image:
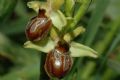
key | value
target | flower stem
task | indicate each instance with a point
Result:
(69, 4)
(43, 74)
(81, 11)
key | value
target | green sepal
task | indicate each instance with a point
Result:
(43, 46)
(35, 5)
(58, 19)
(71, 35)
(79, 50)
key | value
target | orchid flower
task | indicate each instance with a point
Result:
(59, 23)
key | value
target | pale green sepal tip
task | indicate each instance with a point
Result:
(48, 46)
(79, 50)
(58, 19)
(35, 5)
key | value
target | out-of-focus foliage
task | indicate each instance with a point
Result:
(6, 8)
(102, 23)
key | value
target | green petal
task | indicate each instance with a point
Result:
(44, 46)
(71, 35)
(55, 4)
(58, 19)
(79, 50)
(36, 5)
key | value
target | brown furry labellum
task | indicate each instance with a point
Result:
(58, 61)
(38, 27)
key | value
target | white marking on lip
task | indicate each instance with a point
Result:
(57, 63)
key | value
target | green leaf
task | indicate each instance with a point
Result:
(113, 9)
(17, 26)
(44, 46)
(95, 20)
(3, 40)
(58, 19)
(79, 50)
(23, 73)
(6, 8)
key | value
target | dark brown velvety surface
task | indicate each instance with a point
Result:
(38, 27)
(57, 64)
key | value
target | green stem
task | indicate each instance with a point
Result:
(69, 4)
(112, 47)
(43, 74)
(95, 21)
(79, 14)
(114, 27)
(92, 29)
(81, 11)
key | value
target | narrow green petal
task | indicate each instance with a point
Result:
(79, 50)
(71, 35)
(58, 19)
(43, 47)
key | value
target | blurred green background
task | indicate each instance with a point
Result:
(102, 23)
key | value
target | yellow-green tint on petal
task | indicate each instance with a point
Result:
(58, 19)
(54, 34)
(79, 50)
(56, 4)
(80, 1)
(36, 5)
(48, 46)
(70, 36)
